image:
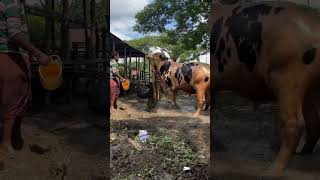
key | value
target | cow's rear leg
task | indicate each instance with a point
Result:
(312, 122)
(201, 98)
(174, 100)
(207, 101)
(292, 123)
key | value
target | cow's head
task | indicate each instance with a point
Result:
(157, 58)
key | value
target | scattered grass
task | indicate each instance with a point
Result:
(163, 152)
(178, 151)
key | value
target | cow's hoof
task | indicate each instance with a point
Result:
(177, 107)
(6, 151)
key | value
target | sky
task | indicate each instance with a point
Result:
(122, 17)
(123, 12)
(122, 20)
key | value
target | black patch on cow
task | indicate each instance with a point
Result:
(229, 52)
(206, 79)
(309, 55)
(165, 67)
(215, 34)
(168, 82)
(187, 71)
(178, 76)
(278, 9)
(180, 79)
(245, 29)
(169, 72)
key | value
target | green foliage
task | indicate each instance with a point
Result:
(36, 29)
(176, 49)
(188, 17)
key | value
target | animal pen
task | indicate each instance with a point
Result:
(87, 59)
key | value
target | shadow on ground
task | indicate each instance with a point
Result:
(245, 141)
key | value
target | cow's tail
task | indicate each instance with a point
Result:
(311, 60)
(207, 95)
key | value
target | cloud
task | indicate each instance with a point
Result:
(122, 19)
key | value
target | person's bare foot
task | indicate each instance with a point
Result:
(6, 151)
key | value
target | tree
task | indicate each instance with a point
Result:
(183, 22)
(176, 51)
(36, 29)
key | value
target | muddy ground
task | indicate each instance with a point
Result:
(245, 139)
(62, 142)
(176, 140)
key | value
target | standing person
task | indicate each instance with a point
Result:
(114, 81)
(15, 74)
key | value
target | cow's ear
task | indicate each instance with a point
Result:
(162, 56)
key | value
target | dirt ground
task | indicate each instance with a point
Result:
(62, 142)
(176, 140)
(245, 140)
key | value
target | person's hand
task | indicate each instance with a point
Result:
(42, 59)
(122, 79)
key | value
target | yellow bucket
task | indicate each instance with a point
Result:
(126, 84)
(51, 74)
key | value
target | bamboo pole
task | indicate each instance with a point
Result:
(144, 68)
(130, 75)
(47, 41)
(65, 32)
(92, 29)
(86, 33)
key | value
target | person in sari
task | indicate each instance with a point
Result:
(15, 73)
(115, 79)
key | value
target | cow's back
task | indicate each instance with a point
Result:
(251, 38)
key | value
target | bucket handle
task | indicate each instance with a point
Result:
(55, 58)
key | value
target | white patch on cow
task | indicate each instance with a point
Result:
(157, 49)
(302, 26)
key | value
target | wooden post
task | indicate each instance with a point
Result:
(125, 62)
(97, 47)
(48, 32)
(92, 29)
(130, 75)
(144, 68)
(113, 45)
(137, 68)
(104, 42)
(65, 32)
(53, 30)
(149, 70)
(86, 33)
(107, 16)
(154, 82)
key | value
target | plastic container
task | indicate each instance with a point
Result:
(143, 135)
(125, 84)
(51, 74)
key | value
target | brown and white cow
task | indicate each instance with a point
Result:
(191, 77)
(270, 51)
